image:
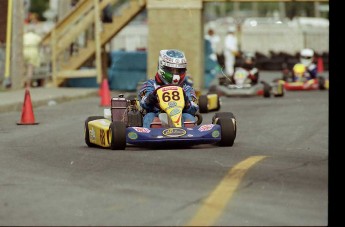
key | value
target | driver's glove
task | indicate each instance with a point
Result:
(186, 99)
(151, 99)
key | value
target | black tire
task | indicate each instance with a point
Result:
(199, 118)
(117, 135)
(228, 115)
(228, 132)
(280, 88)
(203, 104)
(267, 91)
(222, 115)
(86, 130)
(321, 81)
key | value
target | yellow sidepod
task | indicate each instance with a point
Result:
(212, 101)
(98, 132)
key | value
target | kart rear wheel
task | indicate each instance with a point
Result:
(228, 132)
(117, 135)
(267, 91)
(87, 132)
(279, 90)
(321, 82)
(203, 104)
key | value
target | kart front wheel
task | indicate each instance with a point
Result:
(117, 135)
(203, 104)
(228, 115)
(228, 132)
(222, 115)
(86, 130)
(199, 118)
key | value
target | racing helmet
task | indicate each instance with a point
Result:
(306, 56)
(249, 57)
(172, 67)
(299, 70)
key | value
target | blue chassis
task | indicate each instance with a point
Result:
(192, 136)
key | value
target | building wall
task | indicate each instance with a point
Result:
(180, 24)
(3, 20)
(3, 23)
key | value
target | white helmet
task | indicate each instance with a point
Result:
(306, 56)
(172, 67)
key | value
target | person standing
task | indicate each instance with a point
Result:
(214, 40)
(31, 43)
(230, 50)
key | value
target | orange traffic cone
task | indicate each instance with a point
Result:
(320, 65)
(105, 93)
(28, 117)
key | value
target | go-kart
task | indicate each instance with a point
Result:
(240, 86)
(122, 124)
(295, 80)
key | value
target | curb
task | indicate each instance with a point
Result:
(17, 106)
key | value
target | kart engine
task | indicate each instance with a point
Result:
(126, 111)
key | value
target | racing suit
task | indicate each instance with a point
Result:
(148, 102)
(253, 73)
(230, 52)
(310, 73)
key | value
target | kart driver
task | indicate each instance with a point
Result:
(307, 59)
(172, 67)
(249, 65)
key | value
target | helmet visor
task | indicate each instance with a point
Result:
(306, 57)
(174, 71)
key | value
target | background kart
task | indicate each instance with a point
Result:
(122, 125)
(294, 80)
(313, 84)
(242, 87)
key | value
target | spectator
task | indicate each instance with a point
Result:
(31, 45)
(230, 51)
(214, 41)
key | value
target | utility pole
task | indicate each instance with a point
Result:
(17, 57)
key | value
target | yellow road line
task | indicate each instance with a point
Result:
(215, 203)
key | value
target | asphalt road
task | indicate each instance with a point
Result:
(276, 174)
